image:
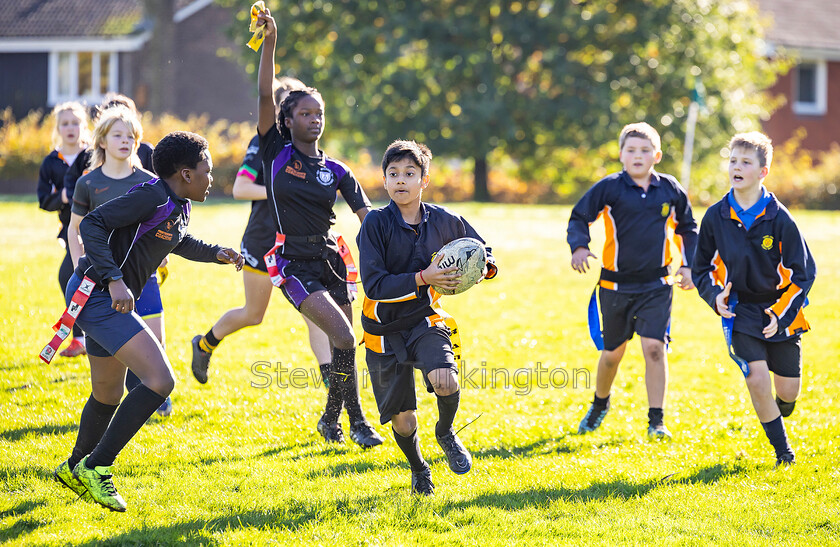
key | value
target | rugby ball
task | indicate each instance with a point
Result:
(466, 254)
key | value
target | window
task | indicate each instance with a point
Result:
(810, 88)
(81, 75)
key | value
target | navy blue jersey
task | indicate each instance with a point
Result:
(50, 185)
(391, 252)
(640, 225)
(260, 228)
(80, 166)
(302, 193)
(769, 265)
(131, 235)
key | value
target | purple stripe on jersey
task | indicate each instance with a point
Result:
(151, 181)
(160, 215)
(282, 158)
(336, 168)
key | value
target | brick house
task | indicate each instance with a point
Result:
(58, 50)
(809, 30)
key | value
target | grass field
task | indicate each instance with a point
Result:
(237, 464)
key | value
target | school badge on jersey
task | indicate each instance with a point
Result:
(325, 176)
(666, 209)
(767, 242)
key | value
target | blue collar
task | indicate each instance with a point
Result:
(748, 216)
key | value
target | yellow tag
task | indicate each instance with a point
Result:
(259, 32)
(163, 273)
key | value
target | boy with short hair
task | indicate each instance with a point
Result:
(753, 267)
(403, 323)
(644, 211)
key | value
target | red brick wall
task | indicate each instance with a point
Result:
(822, 130)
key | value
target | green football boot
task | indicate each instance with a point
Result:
(64, 475)
(100, 486)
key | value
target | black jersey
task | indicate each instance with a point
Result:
(390, 254)
(769, 266)
(640, 225)
(80, 166)
(130, 235)
(50, 185)
(259, 233)
(302, 192)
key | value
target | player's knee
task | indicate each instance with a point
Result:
(253, 318)
(404, 423)
(444, 381)
(108, 393)
(162, 384)
(758, 382)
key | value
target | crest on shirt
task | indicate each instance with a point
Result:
(666, 209)
(767, 243)
(325, 176)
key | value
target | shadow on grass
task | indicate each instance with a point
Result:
(14, 435)
(290, 517)
(341, 469)
(617, 489)
(567, 444)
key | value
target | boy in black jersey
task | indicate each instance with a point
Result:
(125, 241)
(405, 328)
(643, 212)
(754, 269)
(311, 265)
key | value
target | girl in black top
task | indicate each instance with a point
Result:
(70, 138)
(302, 182)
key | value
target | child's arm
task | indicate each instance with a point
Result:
(379, 283)
(49, 197)
(244, 186)
(75, 172)
(267, 116)
(685, 237)
(196, 250)
(585, 212)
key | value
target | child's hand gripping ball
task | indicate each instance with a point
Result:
(469, 257)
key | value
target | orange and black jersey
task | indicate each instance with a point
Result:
(639, 225)
(769, 265)
(301, 194)
(50, 185)
(390, 254)
(130, 235)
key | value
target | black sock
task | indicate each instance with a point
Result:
(777, 436)
(211, 338)
(447, 407)
(601, 403)
(343, 376)
(411, 448)
(655, 416)
(131, 381)
(135, 409)
(94, 421)
(786, 408)
(325, 374)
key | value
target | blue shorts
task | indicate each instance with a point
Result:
(149, 304)
(106, 329)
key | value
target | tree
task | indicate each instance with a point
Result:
(469, 77)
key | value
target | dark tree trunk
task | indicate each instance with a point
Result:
(480, 192)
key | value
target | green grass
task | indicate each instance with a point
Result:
(236, 464)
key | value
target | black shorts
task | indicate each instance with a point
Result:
(647, 314)
(307, 276)
(783, 358)
(253, 248)
(427, 349)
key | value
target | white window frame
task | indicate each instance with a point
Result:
(54, 97)
(820, 105)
